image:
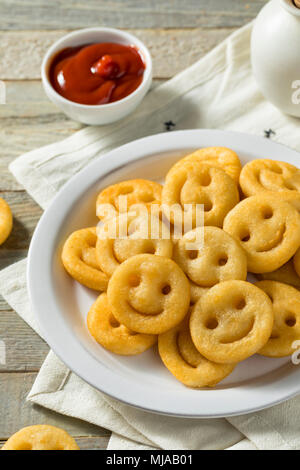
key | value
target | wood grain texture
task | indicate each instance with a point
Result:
(29, 121)
(15, 412)
(172, 50)
(177, 33)
(26, 214)
(71, 14)
(92, 443)
(25, 350)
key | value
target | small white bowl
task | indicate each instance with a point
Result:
(104, 113)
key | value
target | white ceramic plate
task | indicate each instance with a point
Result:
(61, 304)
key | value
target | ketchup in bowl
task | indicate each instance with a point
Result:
(97, 73)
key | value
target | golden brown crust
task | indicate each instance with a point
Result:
(267, 228)
(180, 356)
(137, 191)
(41, 437)
(112, 250)
(231, 322)
(149, 294)
(79, 259)
(286, 307)
(193, 183)
(113, 336)
(6, 221)
(269, 175)
(219, 157)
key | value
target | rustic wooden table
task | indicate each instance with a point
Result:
(177, 33)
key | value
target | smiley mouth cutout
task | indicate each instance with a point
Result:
(238, 336)
(275, 242)
(188, 361)
(138, 312)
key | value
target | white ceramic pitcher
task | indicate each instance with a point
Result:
(275, 52)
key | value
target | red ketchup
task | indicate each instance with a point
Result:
(97, 73)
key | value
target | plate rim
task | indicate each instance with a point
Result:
(110, 162)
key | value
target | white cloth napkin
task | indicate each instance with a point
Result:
(216, 92)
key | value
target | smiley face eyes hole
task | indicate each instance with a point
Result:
(212, 324)
(114, 322)
(223, 260)
(267, 213)
(207, 206)
(166, 289)
(205, 180)
(290, 186)
(290, 321)
(192, 254)
(245, 236)
(134, 280)
(132, 333)
(240, 304)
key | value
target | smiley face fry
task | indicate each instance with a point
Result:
(149, 294)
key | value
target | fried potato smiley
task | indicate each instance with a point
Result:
(79, 259)
(180, 356)
(268, 229)
(219, 157)
(231, 322)
(149, 294)
(133, 236)
(193, 183)
(218, 257)
(136, 191)
(113, 336)
(286, 306)
(41, 437)
(269, 175)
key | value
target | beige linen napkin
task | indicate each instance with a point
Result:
(216, 92)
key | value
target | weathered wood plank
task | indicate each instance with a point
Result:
(25, 350)
(26, 99)
(12, 256)
(3, 305)
(15, 412)
(28, 121)
(26, 214)
(87, 443)
(70, 14)
(172, 50)
(93, 443)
